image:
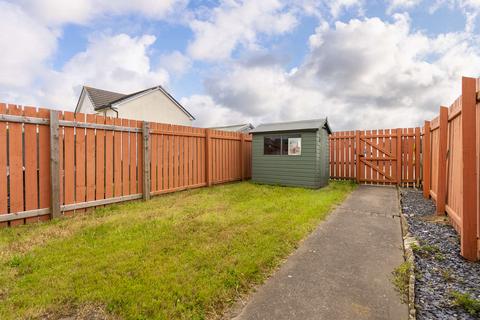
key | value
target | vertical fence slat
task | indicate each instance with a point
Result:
(69, 162)
(90, 159)
(426, 160)
(409, 155)
(417, 156)
(80, 150)
(390, 148)
(125, 160)
(352, 154)
(442, 161)
(109, 162)
(153, 157)
(100, 161)
(161, 159)
(470, 187)
(375, 173)
(208, 155)
(16, 164)
(117, 160)
(357, 155)
(3, 166)
(31, 166)
(140, 162)
(398, 139)
(133, 158)
(338, 156)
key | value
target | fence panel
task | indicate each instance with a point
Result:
(100, 161)
(435, 138)
(371, 156)
(455, 166)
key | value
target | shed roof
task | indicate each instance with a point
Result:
(313, 124)
(244, 127)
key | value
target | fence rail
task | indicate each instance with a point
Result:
(57, 163)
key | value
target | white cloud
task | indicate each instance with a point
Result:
(175, 62)
(118, 63)
(361, 74)
(57, 12)
(401, 5)
(210, 114)
(28, 41)
(337, 6)
(236, 23)
(25, 47)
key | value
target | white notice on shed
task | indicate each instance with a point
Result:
(294, 146)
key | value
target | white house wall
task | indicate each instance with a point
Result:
(86, 106)
(155, 107)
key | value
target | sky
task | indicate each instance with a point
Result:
(363, 64)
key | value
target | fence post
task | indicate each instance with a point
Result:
(470, 194)
(54, 165)
(242, 155)
(146, 160)
(358, 153)
(442, 161)
(426, 159)
(399, 156)
(208, 157)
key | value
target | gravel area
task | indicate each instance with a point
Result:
(439, 268)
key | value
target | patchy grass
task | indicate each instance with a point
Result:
(465, 301)
(186, 255)
(401, 277)
(426, 251)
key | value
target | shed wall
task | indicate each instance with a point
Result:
(288, 170)
(323, 157)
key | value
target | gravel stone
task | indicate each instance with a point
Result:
(441, 271)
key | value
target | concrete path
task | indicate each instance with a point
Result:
(343, 269)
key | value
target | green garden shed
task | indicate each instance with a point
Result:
(291, 153)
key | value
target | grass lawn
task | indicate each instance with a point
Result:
(186, 255)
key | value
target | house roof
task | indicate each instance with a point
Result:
(106, 99)
(302, 125)
(236, 127)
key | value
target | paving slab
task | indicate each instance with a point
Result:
(343, 270)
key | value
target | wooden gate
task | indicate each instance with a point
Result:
(390, 156)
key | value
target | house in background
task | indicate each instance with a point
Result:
(153, 104)
(243, 128)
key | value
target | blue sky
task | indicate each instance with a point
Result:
(366, 64)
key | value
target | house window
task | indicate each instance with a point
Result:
(290, 145)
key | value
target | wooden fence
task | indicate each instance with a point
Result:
(451, 163)
(443, 157)
(55, 163)
(390, 156)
